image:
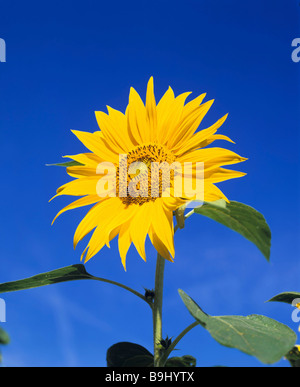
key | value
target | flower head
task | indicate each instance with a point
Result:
(123, 175)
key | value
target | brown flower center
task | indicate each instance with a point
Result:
(140, 174)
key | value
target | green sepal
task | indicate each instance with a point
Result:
(72, 163)
(286, 297)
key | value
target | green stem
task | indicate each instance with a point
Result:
(159, 360)
(121, 286)
(157, 308)
(176, 341)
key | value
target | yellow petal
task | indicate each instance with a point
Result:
(93, 218)
(199, 138)
(172, 203)
(192, 105)
(139, 227)
(221, 174)
(108, 221)
(162, 225)
(163, 108)
(212, 157)
(172, 118)
(95, 144)
(85, 201)
(111, 133)
(79, 171)
(212, 138)
(83, 253)
(159, 246)
(124, 241)
(151, 110)
(213, 193)
(80, 187)
(120, 122)
(95, 244)
(188, 126)
(123, 215)
(137, 119)
(88, 159)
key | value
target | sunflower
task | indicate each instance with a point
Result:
(146, 135)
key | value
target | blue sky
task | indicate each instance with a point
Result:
(66, 60)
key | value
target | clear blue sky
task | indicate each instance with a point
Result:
(67, 59)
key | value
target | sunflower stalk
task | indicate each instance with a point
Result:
(160, 359)
(157, 309)
(176, 341)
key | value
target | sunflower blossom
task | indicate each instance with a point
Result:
(146, 135)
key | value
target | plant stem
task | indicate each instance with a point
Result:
(121, 286)
(157, 308)
(176, 341)
(159, 360)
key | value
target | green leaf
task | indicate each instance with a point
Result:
(125, 354)
(194, 308)
(259, 336)
(4, 338)
(184, 361)
(241, 218)
(69, 273)
(139, 361)
(217, 203)
(287, 297)
(65, 164)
